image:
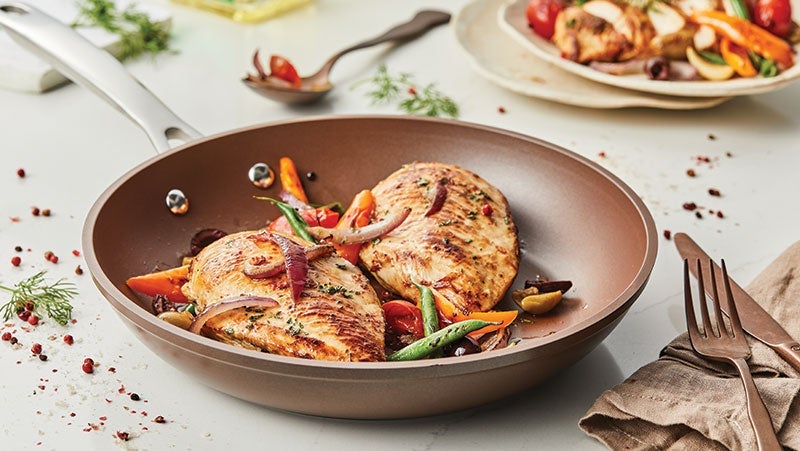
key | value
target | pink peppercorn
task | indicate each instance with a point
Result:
(36, 348)
(33, 320)
(88, 366)
(21, 173)
(68, 339)
(16, 260)
(6, 336)
(487, 210)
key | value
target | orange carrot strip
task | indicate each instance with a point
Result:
(167, 283)
(290, 181)
(449, 311)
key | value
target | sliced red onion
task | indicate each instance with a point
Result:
(438, 198)
(292, 200)
(227, 305)
(682, 70)
(262, 74)
(278, 266)
(296, 264)
(621, 68)
(362, 234)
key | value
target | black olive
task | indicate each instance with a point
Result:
(203, 238)
(657, 68)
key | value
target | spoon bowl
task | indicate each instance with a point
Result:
(314, 87)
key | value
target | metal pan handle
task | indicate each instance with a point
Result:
(82, 62)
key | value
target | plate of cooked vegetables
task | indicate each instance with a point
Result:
(694, 48)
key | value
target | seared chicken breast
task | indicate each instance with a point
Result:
(467, 250)
(337, 316)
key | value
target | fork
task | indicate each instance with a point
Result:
(727, 345)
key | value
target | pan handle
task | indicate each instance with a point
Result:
(82, 62)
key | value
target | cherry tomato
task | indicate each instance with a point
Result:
(281, 67)
(774, 16)
(322, 217)
(542, 16)
(403, 317)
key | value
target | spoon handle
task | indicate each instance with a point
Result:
(81, 61)
(417, 26)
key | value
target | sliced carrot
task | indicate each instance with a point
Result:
(290, 181)
(450, 313)
(357, 215)
(167, 283)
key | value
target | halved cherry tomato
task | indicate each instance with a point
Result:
(542, 15)
(773, 15)
(322, 217)
(403, 317)
(281, 67)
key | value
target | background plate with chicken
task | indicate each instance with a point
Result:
(512, 18)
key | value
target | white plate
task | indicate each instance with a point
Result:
(495, 55)
(512, 19)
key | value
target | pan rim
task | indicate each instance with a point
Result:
(465, 364)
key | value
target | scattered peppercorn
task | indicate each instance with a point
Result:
(159, 419)
(24, 315)
(16, 261)
(13, 340)
(728, 154)
(76, 252)
(6, 336)
(711, 136)
(122, 435)
(698, 214)
(412, 91)
(18, 248)
(719, 214)
(43, 357)
(88, 365)
(78, 270)
(21, 173)
(691, 206)
(487, 209)
(36, 348)
(311, 175)
(33, 320)
(690, 172)
(601, 154)
(501, 110)
(714, 192)
(135, 397)
(668, 234)
(68, 339)
(35, 211)
(48, 255)
(46, 212)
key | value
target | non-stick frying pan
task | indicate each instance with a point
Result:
(576, 221)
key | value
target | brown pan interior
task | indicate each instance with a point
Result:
(576, 221)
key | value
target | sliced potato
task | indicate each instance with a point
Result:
(708, 70)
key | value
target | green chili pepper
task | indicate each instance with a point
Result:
(298, 224)
(438, 340)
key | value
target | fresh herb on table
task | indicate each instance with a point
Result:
(428, 101)
(54, 298)
(138, 33)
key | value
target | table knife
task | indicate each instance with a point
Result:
(755, 320)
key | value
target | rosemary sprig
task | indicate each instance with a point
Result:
(401, 88)
(138, 33)
(54, 298)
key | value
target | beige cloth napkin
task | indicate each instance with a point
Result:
(682, 402)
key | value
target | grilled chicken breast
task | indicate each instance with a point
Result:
(338, 316)
(468, 250)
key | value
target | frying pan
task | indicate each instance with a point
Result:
(576, 221)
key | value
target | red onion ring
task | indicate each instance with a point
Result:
(438, 198)
(362, 234)
(257, 63)
(279, 266)
(296, 264)
(227, 305)
(292, 200)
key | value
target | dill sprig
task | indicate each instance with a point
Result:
(54, 298)
(428, 101)
(138, 33)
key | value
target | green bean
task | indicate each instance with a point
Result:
(298, 224)
(427, 305)
(438, 340)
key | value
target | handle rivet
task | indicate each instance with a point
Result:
(261, 175)
(796, 348)
(177, 202)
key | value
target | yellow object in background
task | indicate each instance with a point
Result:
(246, 10)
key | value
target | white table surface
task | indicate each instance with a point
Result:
(73, 145)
